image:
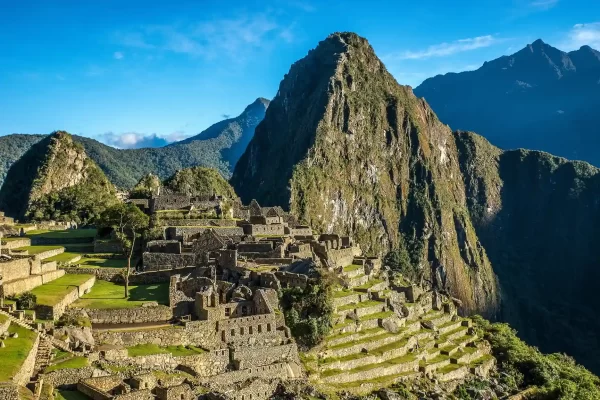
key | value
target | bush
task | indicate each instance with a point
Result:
(556, 375)
(308, 312)
(26, 301)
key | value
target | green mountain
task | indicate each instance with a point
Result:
(200, 181)
(55, 179)
(349, 150)
(218, 147)
(511, 234)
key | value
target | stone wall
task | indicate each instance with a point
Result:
(21, 285)
(52, 275)
(130, 315)
(161, 261)
(107, 246)
(144, 278)
(341, 257)
(164, 246)
(189, 233)
(255, 356)
(9, 391)
(24, 374)
(203, 365)
(16, 268)
(274, 229)
(196, 333)
(15, 243)
(4, 326)
(92, 392)
(196, 222)
(144, 394)
(68, 378)
(49, 253)
(272, 371)
(48, 266)
(256, 247)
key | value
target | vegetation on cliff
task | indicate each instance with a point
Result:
(536, 215)
(55, 180)
(548, 376)
(200, 181)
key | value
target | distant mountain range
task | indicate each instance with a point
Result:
(538, 98)
(219, 147)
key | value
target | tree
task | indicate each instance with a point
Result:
(128, 222)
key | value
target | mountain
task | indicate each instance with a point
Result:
(539, 98)
(218, 147)
(55, 179)
(200, 181)
(349, 150)
(511, 234)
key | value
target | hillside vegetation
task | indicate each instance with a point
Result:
(218, 147)
(55, 179)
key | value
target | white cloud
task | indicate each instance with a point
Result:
(136, 140)
(118, 55)
(543, 4)
(232, 37)
(582, 34)
(446, 49)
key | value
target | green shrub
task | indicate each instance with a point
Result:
(308, 312)
(26, 301)
(556, 375)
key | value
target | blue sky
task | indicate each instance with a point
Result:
(133, 73)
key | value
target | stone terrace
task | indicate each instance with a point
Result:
(382, 336)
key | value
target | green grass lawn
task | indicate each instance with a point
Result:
(71, 363)
(69, 395)
(149, 349)
(37, 249)
(52, 292)
(91, 262)
(352, 267)
(15, 352)
(63, 257)
(66, 234)
(111, 295)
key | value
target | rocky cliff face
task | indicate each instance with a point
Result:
(537, 216)
(54, 177)
(349, 150)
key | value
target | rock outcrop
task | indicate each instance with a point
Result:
(348, 149)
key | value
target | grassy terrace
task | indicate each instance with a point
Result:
(389, 363)
(352, 267)
(369, 284)
(63, 257)
(92, 262)
(69, 395)
(379, 315)
(367, 339)
(177, 351)
(381, 381)
(71, 363)
(112, 295)
(364, 304)
(52, 292)
(449, 368)
(37, 249)
(15, 352)
(343, 293)
(66, 234)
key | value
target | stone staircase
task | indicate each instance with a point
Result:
(59, 344)
(374, 343)
(43, 358)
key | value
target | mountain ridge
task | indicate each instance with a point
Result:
(538, 98)
(124, 167)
